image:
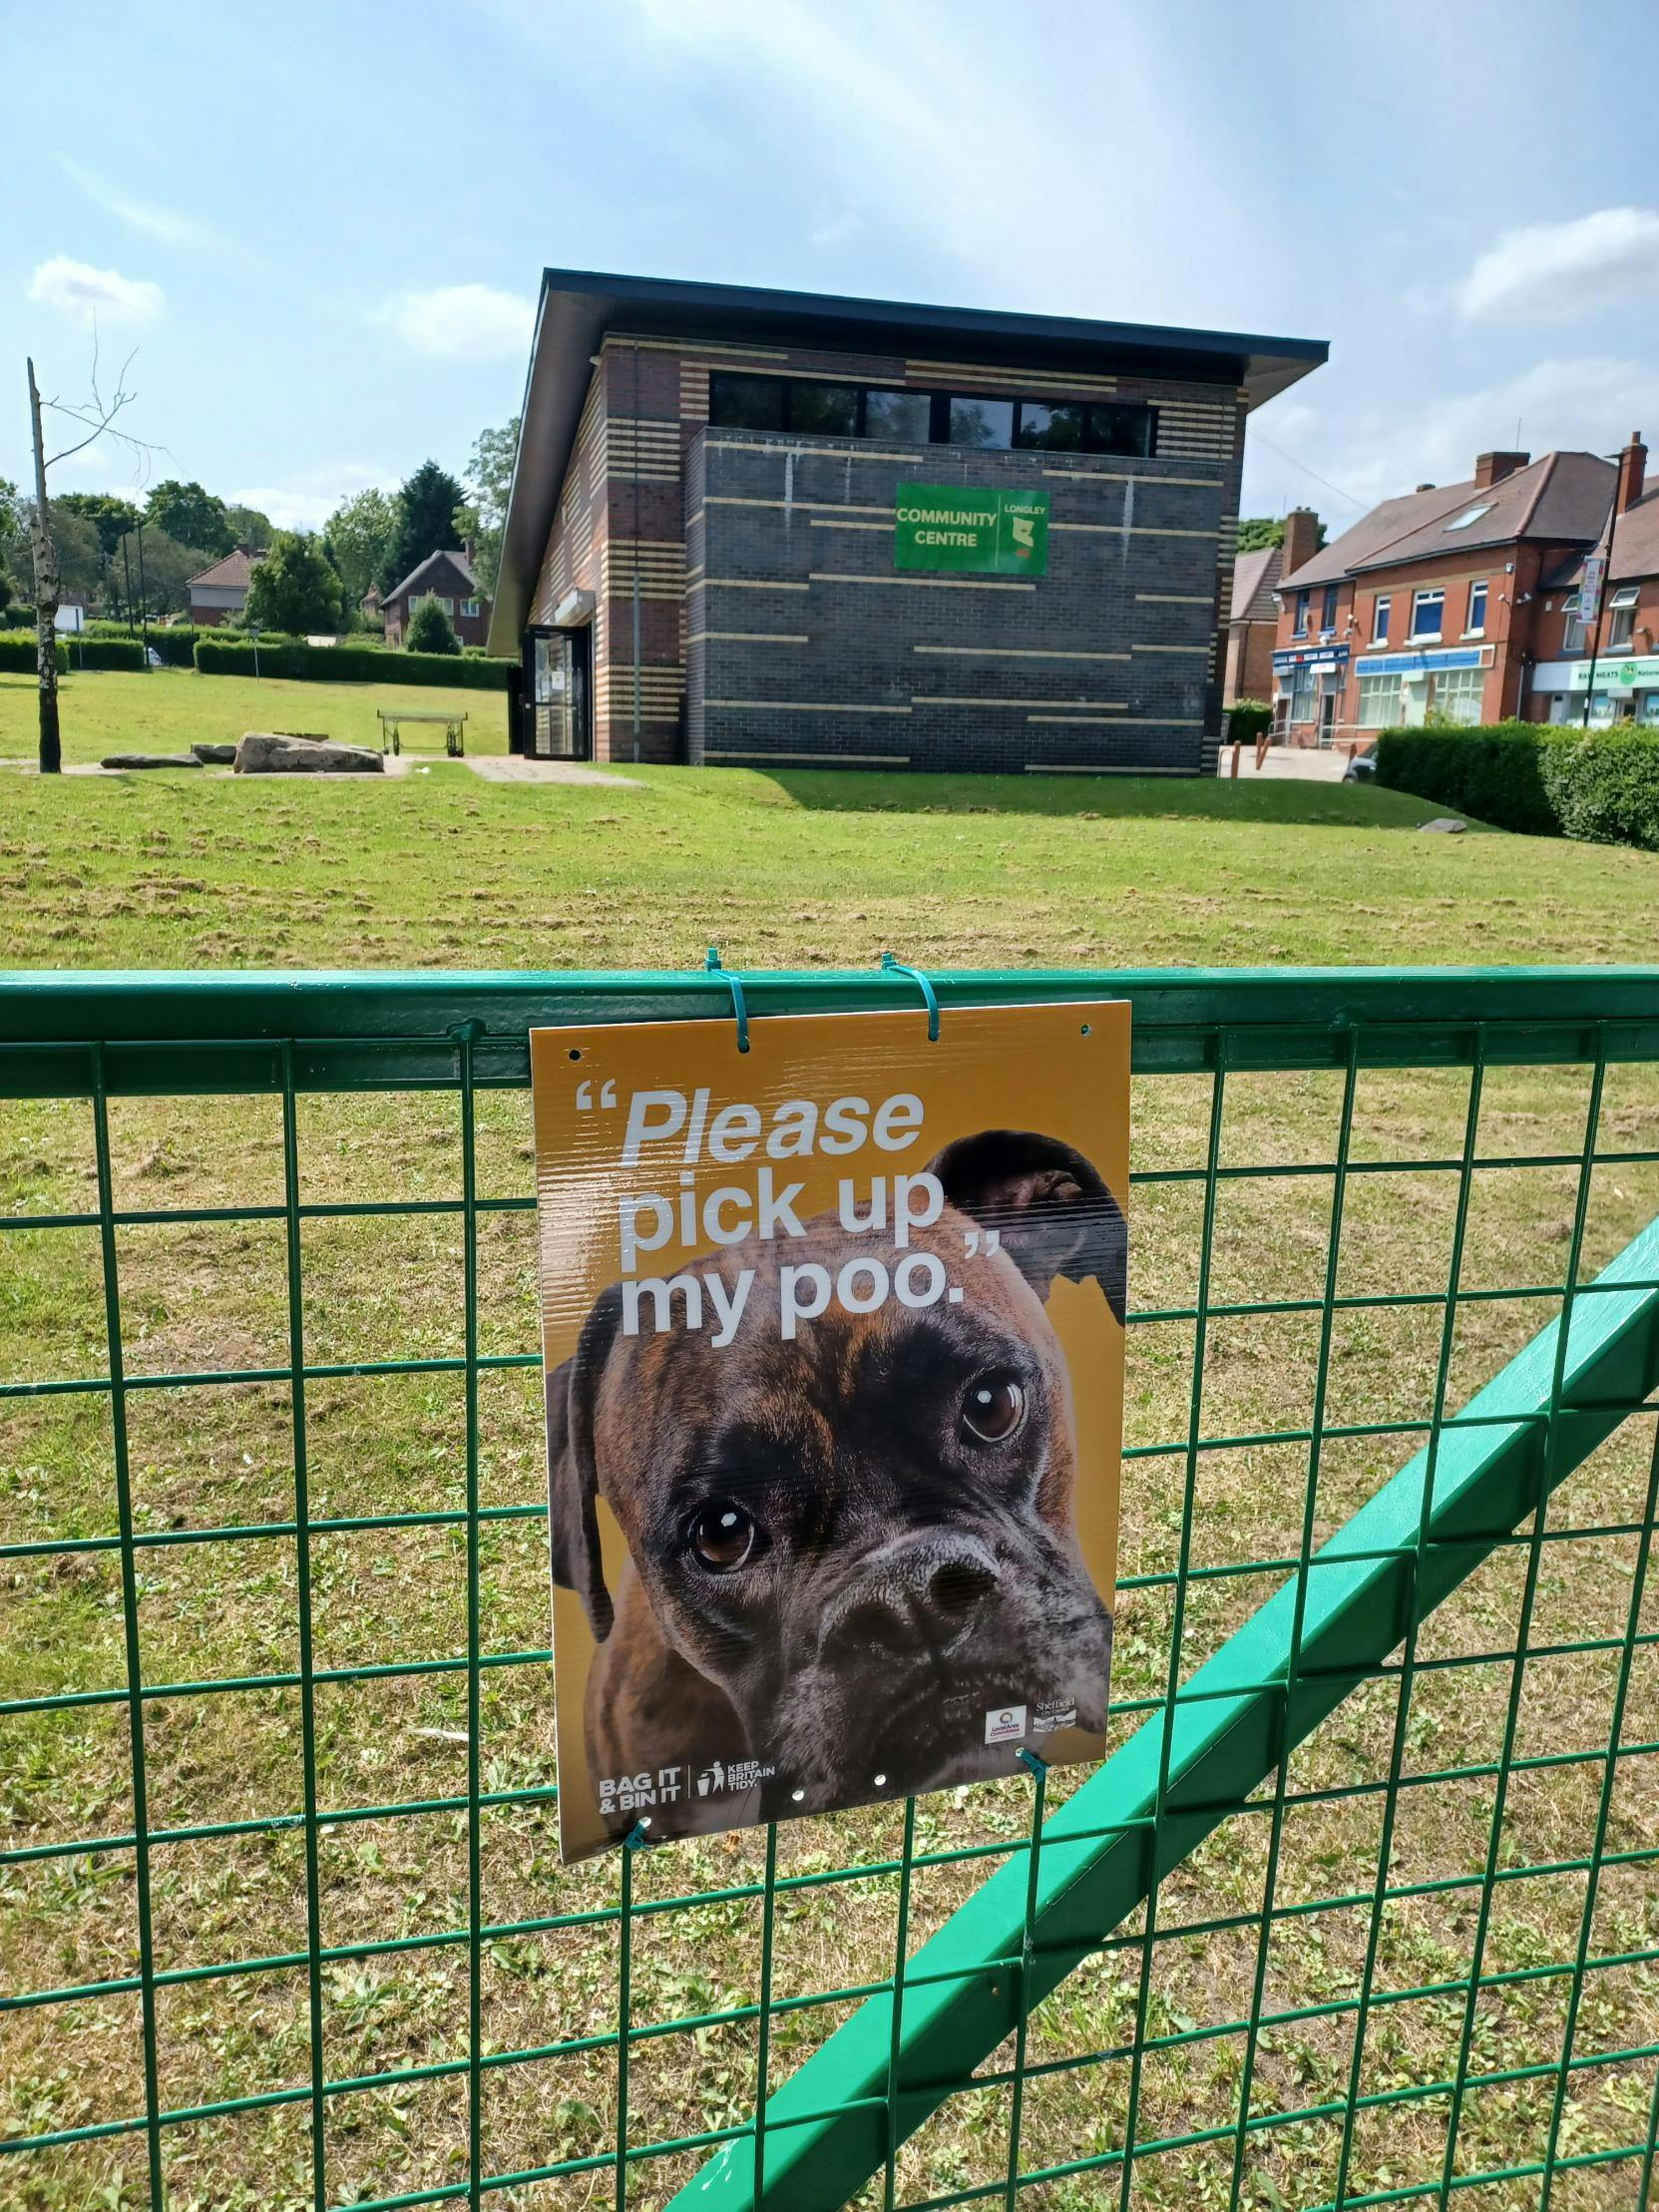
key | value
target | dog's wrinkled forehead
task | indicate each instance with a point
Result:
(828, 1363)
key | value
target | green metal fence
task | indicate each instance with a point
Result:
(1361, 1908)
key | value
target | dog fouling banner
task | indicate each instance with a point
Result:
(833, 1332)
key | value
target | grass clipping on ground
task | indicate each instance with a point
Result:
(784, 870)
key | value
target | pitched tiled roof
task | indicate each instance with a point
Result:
(1636, 541)
(1563, 495)
(426, 571)
(1254, 576)
(1395, 518)
(233, 571)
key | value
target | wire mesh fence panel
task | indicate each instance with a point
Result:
(1361, 1910)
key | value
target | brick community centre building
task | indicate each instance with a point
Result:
(759, 527)
(1459, 602)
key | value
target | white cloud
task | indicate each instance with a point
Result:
(1557, 272)
(462, 323)
(306, 500)
(89, 295)
(1584, 404)
(166, 224)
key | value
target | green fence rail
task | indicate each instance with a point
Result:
(1167, 1982)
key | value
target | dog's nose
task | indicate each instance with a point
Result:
(911, 1601)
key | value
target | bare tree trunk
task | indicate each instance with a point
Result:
(46, 599)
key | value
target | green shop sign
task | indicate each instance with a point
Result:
(1618, 672)
(947, 526)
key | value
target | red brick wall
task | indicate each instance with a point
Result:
(1519, 629)
(1249, 673)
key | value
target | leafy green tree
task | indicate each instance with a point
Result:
(425, 503)
(80, 556)
(1257, 532)
(357, 538)
(157, 573)
(294, 588)
(489, 479)
(110, 516)
(190, 515)
(430, 629)
(248, 526)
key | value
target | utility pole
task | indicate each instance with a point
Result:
(46, 597)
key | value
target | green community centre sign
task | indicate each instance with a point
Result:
(950, 526)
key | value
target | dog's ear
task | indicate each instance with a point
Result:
(573, 1472)
(1050, 1207)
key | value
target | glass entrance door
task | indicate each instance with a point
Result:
(560, 728)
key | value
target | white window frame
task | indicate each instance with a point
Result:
(1471, 628)
(1434, 592)
(1465, 693)
(469, 607)
(1389, 683)
(1382, 611)
(1623, 602)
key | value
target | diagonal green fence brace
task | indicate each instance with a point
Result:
(827, 2129)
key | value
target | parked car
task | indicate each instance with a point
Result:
(1361, 767)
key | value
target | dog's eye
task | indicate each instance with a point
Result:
(722, 1536)
(994, 1409)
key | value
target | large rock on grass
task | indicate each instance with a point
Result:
(151, 760)
(215, 757)
(264, 752)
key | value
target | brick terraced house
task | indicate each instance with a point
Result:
(1252, 625)
(1457, 603)
(778, 528)
(219, 594)
(1620, 680)
(448, 578)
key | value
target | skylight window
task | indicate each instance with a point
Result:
(1469, 515)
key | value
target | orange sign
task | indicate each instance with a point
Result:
(833, 1332)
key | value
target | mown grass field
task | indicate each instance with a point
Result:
(781, 871)
(169, 710)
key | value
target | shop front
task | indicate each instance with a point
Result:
(1625, 690)
(1406, 690)
(1308, 686)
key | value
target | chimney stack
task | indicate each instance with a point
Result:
(1492, 468)
(1632, 473)
(1301, 540)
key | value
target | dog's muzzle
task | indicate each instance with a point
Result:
(915, 1599)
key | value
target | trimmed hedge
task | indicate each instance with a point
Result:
(104, 653)
(1544, 780)
(1246, 719)
(355, 665)
(175, 648)
(17, 652)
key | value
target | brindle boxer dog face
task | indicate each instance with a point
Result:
(862, 1538)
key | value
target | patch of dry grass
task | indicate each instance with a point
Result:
(200, 1298)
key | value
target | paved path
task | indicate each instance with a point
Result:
(1288, 764)
(514, 767)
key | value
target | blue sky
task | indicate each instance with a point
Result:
(322, 228)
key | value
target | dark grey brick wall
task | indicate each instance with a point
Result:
(803, 639)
